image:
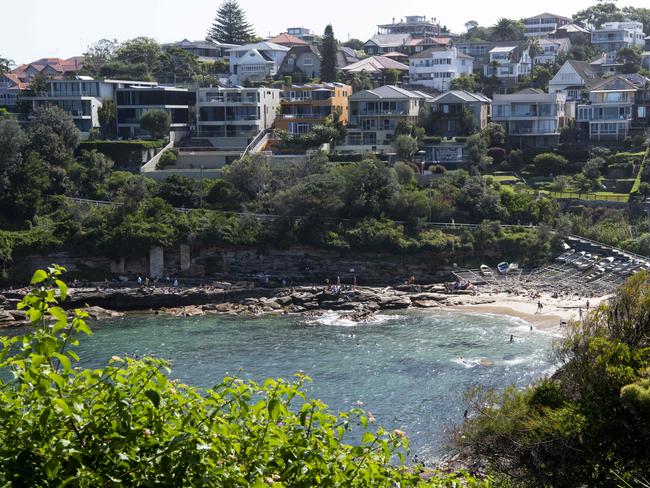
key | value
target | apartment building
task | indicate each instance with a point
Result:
(610, 112)
(230, 117)
(530, 117)
(437, 66)
(133, 101)
(544, 25)
(416, 25)
(613, 36)
(83, 96)
(303, 106)
(374, 114)
(255, 62)
(449, 110)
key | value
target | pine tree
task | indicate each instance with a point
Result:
(328, 50)
(230, 25)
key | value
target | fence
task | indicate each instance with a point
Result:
(566, 195)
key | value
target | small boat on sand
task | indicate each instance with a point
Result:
(485, 270)
(503, 268)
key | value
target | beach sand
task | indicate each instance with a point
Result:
(555, 310)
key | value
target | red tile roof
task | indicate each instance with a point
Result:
(285, 39)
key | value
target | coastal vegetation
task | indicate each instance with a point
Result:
(129, 423)
(587, 425)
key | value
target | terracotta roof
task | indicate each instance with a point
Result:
(13, 78)
(285, 39)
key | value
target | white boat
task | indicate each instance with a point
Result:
(566, 256)
(485, 270)
(503, 267)
(513, 267)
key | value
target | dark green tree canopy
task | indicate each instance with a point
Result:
(230, 25)
(328, 50)
(156, 122)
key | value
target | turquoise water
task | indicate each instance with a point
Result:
(410, 369)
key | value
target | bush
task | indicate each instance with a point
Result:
(460, 140)
(438, 169)
(123, 153)
(129, 424)
(498, 154)
(547, 163)
(167, 158)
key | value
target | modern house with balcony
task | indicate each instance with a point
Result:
(437, 66)
(575, 33)
(205, 50)
(133, 101)
(613, 36)
(81, 98)
(544, 25)
(508, 62)
(303, 106)
(449, 110)
(374, 115)
(531, 118)
(610, 112)
(302, 33)
(231, 117)
(255, 62)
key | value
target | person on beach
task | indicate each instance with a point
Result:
(587, 305)
(580, 313)
(512, 338)
(175, 282)
(540, 307)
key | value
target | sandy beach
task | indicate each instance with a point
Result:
(555, 310)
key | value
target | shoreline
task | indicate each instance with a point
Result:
(358, 303)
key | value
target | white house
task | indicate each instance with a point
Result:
(613, 36)
(508, 62)
(550, 49)
(437, 66)
(255, 61)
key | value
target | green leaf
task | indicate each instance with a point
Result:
(39, 276)
(60, 402)
(274, 408)
(64, 360)
(154, 396)
(367, 438)
(63, 289)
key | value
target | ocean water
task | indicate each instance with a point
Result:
(409, 368)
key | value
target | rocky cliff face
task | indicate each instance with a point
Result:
(294, 265)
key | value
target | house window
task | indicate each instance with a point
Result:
(307, 62)
(641, 112)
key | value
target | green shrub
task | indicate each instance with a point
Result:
(129, 424)
(123, 153)
(433, 140)
(168, 158)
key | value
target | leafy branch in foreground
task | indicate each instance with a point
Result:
(129, 424)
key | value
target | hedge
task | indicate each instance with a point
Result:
(123, 153)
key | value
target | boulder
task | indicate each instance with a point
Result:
(99, 313)
(394, 302)
(426, 303)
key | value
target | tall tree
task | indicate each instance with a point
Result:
(328, 64)
(506, 30)
(98, 54)
(596, 15)
(140, 50)
(53, 135)
(230, 25)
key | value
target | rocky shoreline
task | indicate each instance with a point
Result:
(245, 299)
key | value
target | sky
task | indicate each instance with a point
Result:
(64, 28)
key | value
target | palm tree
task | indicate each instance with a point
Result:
(534, 48)
(504, 30)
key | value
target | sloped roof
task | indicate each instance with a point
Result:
(374, 64)
(573, 28)
(438, 49)
(461, 95)
(529, 91)
(386, 91)
(259, 46)
(285, 39)
(616, 83)
(389, 40)
(202, 44)
(18, 84)
(584, 70)
(546, 14)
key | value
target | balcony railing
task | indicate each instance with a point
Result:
(301, 116)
